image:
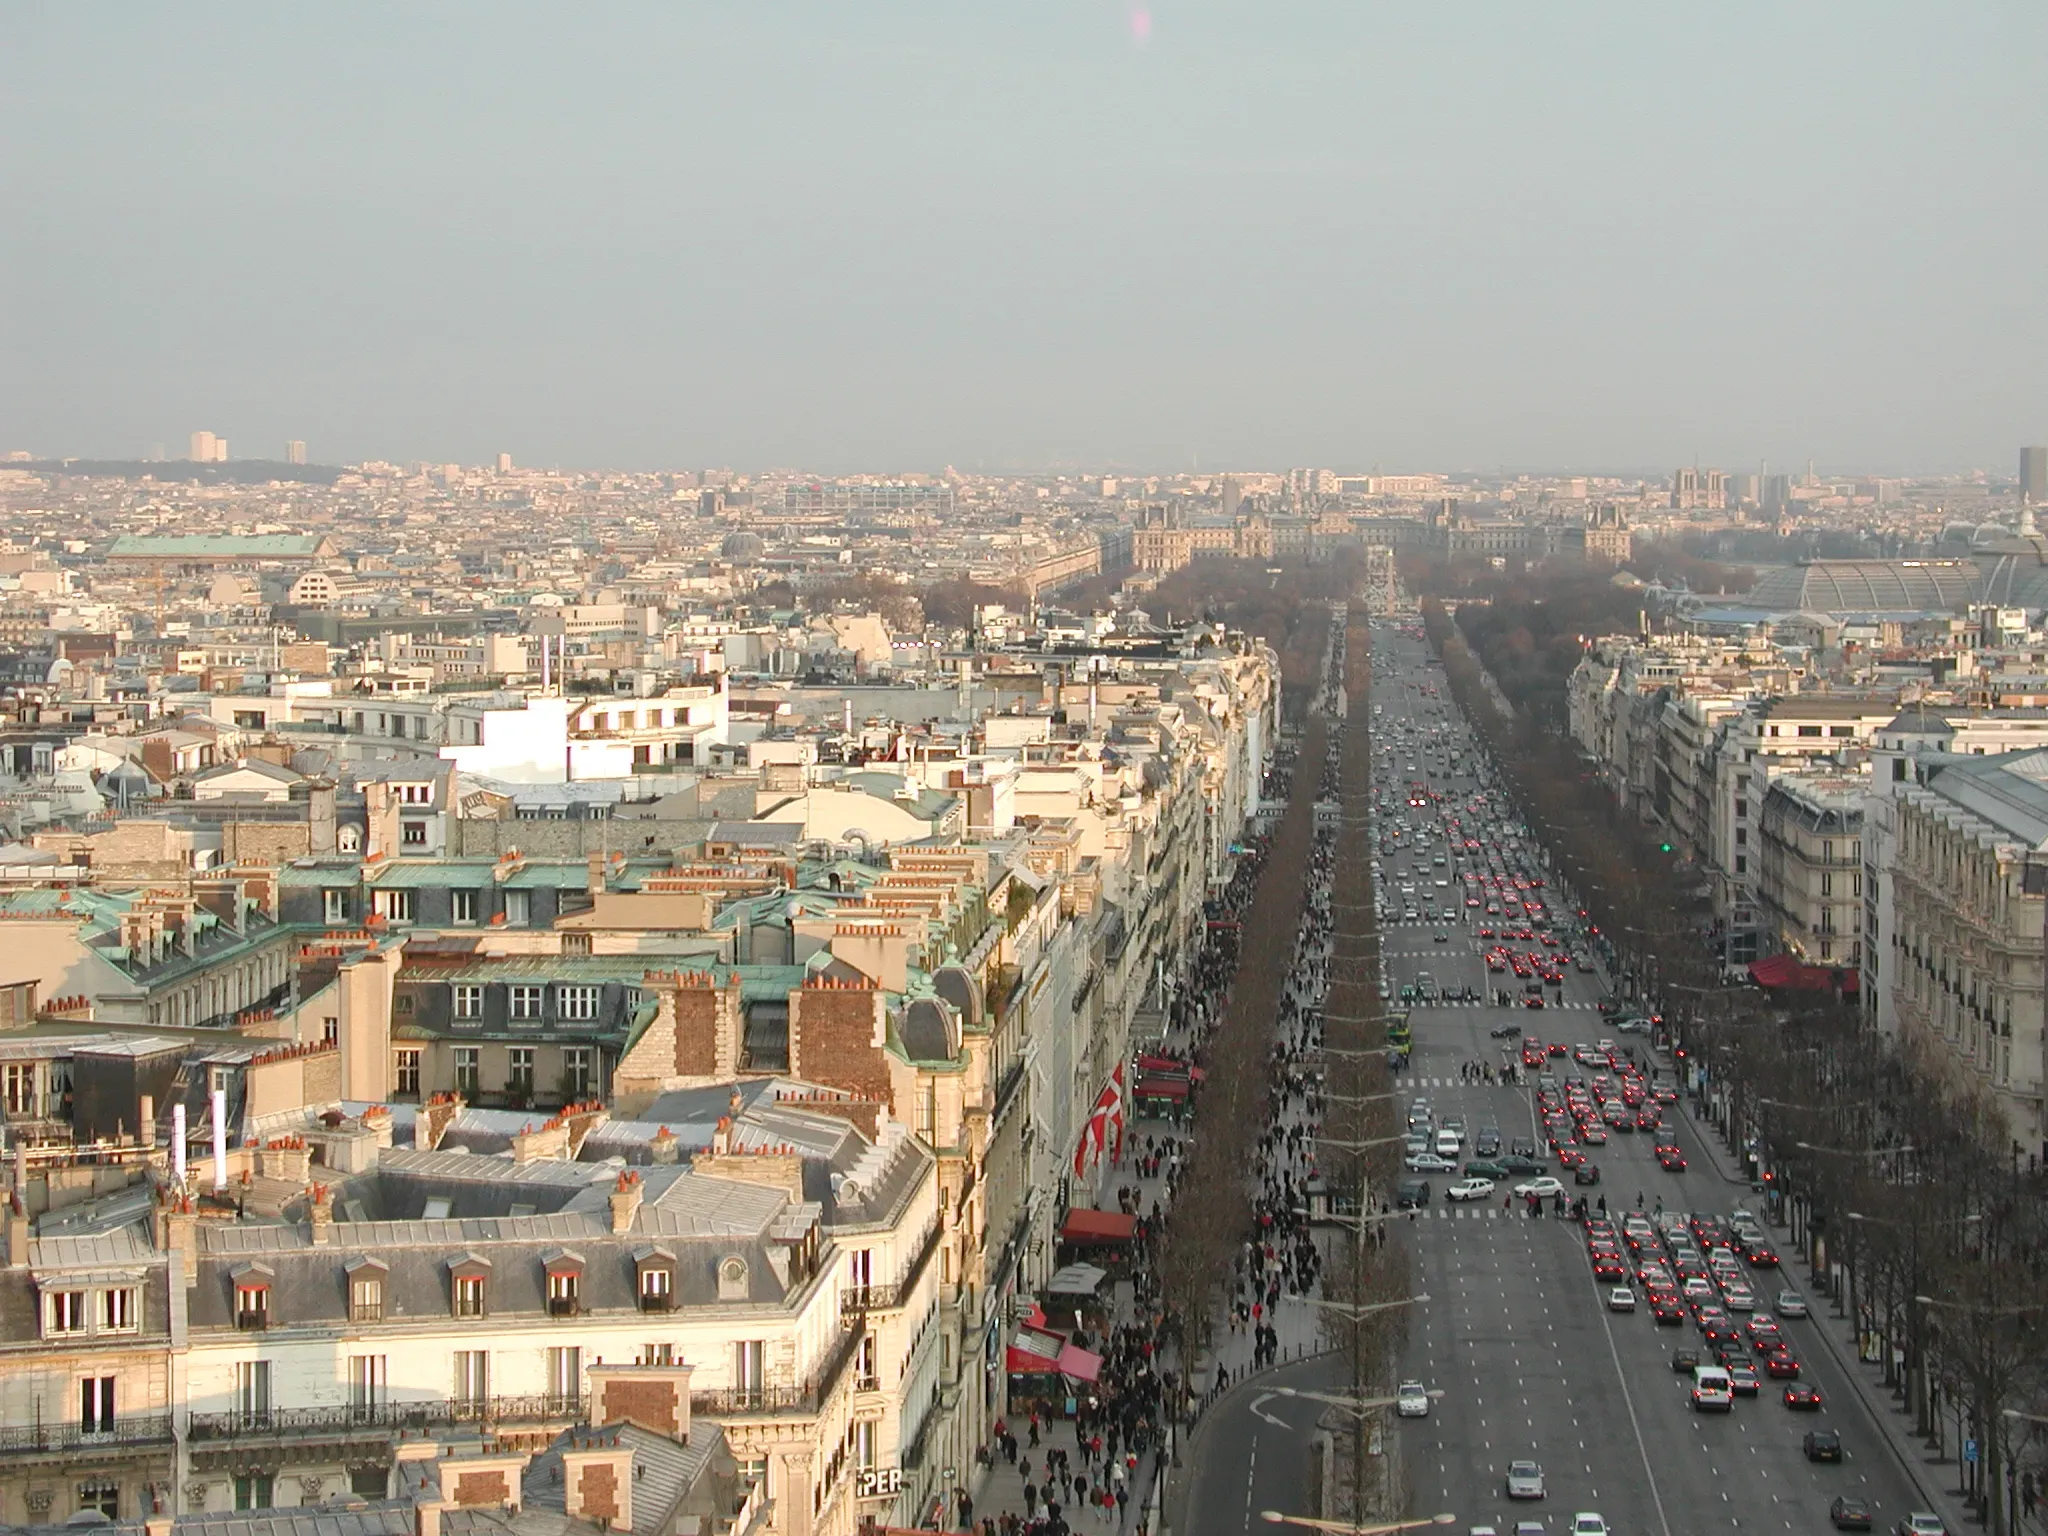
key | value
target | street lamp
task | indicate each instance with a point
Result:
(1359, 1406)
(1347, 1528)
(1348, 1310)
(1358, 1146)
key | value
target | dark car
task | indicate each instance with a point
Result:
(1411, 1194)
(1586, 1173)
(1685, 1361)
(1482, 1168)
(1849, 1514)
(1822, 1445)
(1525, 1166)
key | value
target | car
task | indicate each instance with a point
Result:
(1504, 1031)
(1586, 1173)
(1542, 1189)
(1586, 1523)
(1519, 1165)
(1822, 1445)
(1711, 1392)
(1485, 1168)
(1782, 1365)
(1742, 1380)
(1803, 1395)
(1525, 1480)
(1621, 1299)
(1685, 1361)
(1411, 1194)
(1429, 1162)
(1470, 1189)
(1849, 1513)
(1442, 937)
(1672, 1159)
(1411, 1400)
(1920, 1523)
(1528, 1528)
(1791, 1304)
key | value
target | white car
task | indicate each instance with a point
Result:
(1470, 1189)
(1525, 1480)
(1586, 1523)
(1923, 1524)
(1411, 1400)
(1791, 1304)
(1621, 1299)
(1543, 1188)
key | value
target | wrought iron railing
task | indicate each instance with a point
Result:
(136, 1429)
(539, 1408)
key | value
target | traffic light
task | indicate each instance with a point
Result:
(1663, 847)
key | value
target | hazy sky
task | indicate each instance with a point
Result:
(861, 234)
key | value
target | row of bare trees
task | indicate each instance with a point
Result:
(1898, 1183)
(1212, 1217)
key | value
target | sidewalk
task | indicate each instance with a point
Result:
(997, 1489)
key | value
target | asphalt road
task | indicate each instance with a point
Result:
(1530, 1361)
(1253, 1450)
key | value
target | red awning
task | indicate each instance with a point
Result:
(1165, 1066)
(1160, 1088)
(1022, 1362)
(1079, 1363)
(1785, 973)
(1084, 1226)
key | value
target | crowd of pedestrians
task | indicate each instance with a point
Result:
(1080, 1471)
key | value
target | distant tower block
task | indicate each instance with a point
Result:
(2034, 474)
(295, 451)
(504, 463)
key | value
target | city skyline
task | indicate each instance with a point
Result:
(1344, 236)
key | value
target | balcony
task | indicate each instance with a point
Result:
(860, 1300)
(768, 1401)
(382, 1418)
(34, 1439)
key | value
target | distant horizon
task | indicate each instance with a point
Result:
(1091, 471)
(1071, 233)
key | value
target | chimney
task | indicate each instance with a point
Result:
(158, 1525)
(426, 1517)
(17, 1231)
(322, 1216)
(594, 883)
(625, 1201)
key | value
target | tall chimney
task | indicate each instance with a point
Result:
(178, 1143)
(220, 1140)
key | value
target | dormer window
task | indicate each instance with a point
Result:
(252, 1296)
(655, 1275)
(469, 1286)
(64, 1312)
(366, 1291)
(565, 1282)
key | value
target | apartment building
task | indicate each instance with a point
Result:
(1966, 872)
(1809, 866)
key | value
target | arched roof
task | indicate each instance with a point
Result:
(1868, 586)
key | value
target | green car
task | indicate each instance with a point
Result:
(1484, 1170)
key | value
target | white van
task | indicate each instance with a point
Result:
(1712, 1391)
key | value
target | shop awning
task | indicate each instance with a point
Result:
(1785, 973)
(1079, 1363)
(1160, 1088)
(1083, 1226)
(1165, 1066)
(1076, 1280)
(1032, 1353)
